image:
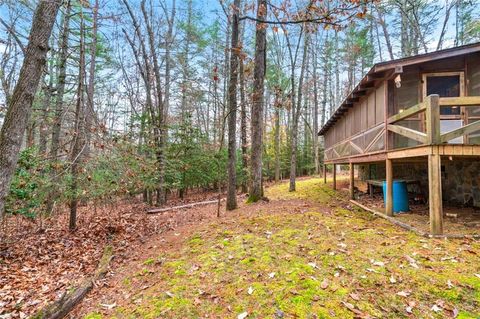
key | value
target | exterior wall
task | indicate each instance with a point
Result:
(354, 133)
(460, 178)
(361, 130)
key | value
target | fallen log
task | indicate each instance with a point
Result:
(162, 210)
(60, 308)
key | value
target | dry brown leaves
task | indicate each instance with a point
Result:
(38, 267)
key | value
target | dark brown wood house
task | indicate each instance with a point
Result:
(422, 111)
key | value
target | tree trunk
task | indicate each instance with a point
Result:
(90, 110)
(158, 115)
(243, 128)
(295, 118)
(20, 106)
(79, 142)
(232, 110)
(43, 127)
(316, 157)
(386, 34)
(57, 120)
(277, 144)
(256, 190)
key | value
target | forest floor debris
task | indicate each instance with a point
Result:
(39, 263)
(301, 254)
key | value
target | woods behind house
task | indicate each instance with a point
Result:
(101, 100)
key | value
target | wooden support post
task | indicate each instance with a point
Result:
(352, 182)
(432, 114)
(324, 173)
(334, 171)
(435, 192)
(389, 197)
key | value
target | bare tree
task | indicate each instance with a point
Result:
(20, 105)
(296, 111)
(232, 110)
(256, 189)
(58, 108)
(79, 142)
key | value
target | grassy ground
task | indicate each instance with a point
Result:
(322, 260)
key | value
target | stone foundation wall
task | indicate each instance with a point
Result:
(460, 178)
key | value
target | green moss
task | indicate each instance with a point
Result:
(285, 257)
(467, 315)
(93, 315)
(127, 282)
(252, 199)
(248, 261)
(195, 240)
(149, 261)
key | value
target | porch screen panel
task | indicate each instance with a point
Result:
(473, 89)
(379, 143)
(363, 120)
(341, 129)
(400, 141)
(357, 118)
(380, 104)
(371, 110)
(350, 120)
(328, 139)
(406, 96)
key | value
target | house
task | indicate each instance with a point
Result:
(414, 117)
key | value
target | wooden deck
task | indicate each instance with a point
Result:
(433, 146)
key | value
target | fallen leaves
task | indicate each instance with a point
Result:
(324, 284)
(404, 293)
(353, 309)
(377, 263)
(108, 306)
(412, 262)
(243, 315)
(354, 296)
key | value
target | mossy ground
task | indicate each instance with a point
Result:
(328, 260)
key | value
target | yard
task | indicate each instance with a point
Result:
(308, 254)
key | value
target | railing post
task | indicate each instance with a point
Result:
(352, 181)
(389, 181)
(435, 192)
(334, 177)
(432, 116)
(324, 173)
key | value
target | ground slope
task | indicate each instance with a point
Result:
(307, 254)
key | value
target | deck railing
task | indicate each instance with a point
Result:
(431, 108)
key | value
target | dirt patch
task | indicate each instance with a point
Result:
(456, 220)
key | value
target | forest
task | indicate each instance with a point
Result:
(107, 104)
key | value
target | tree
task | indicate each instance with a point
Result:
(20, 104)
(296, 112)
(232, 110)
(256, 188)
(58, 107)
(80, 141)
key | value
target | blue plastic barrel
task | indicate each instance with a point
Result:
(400, 196)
